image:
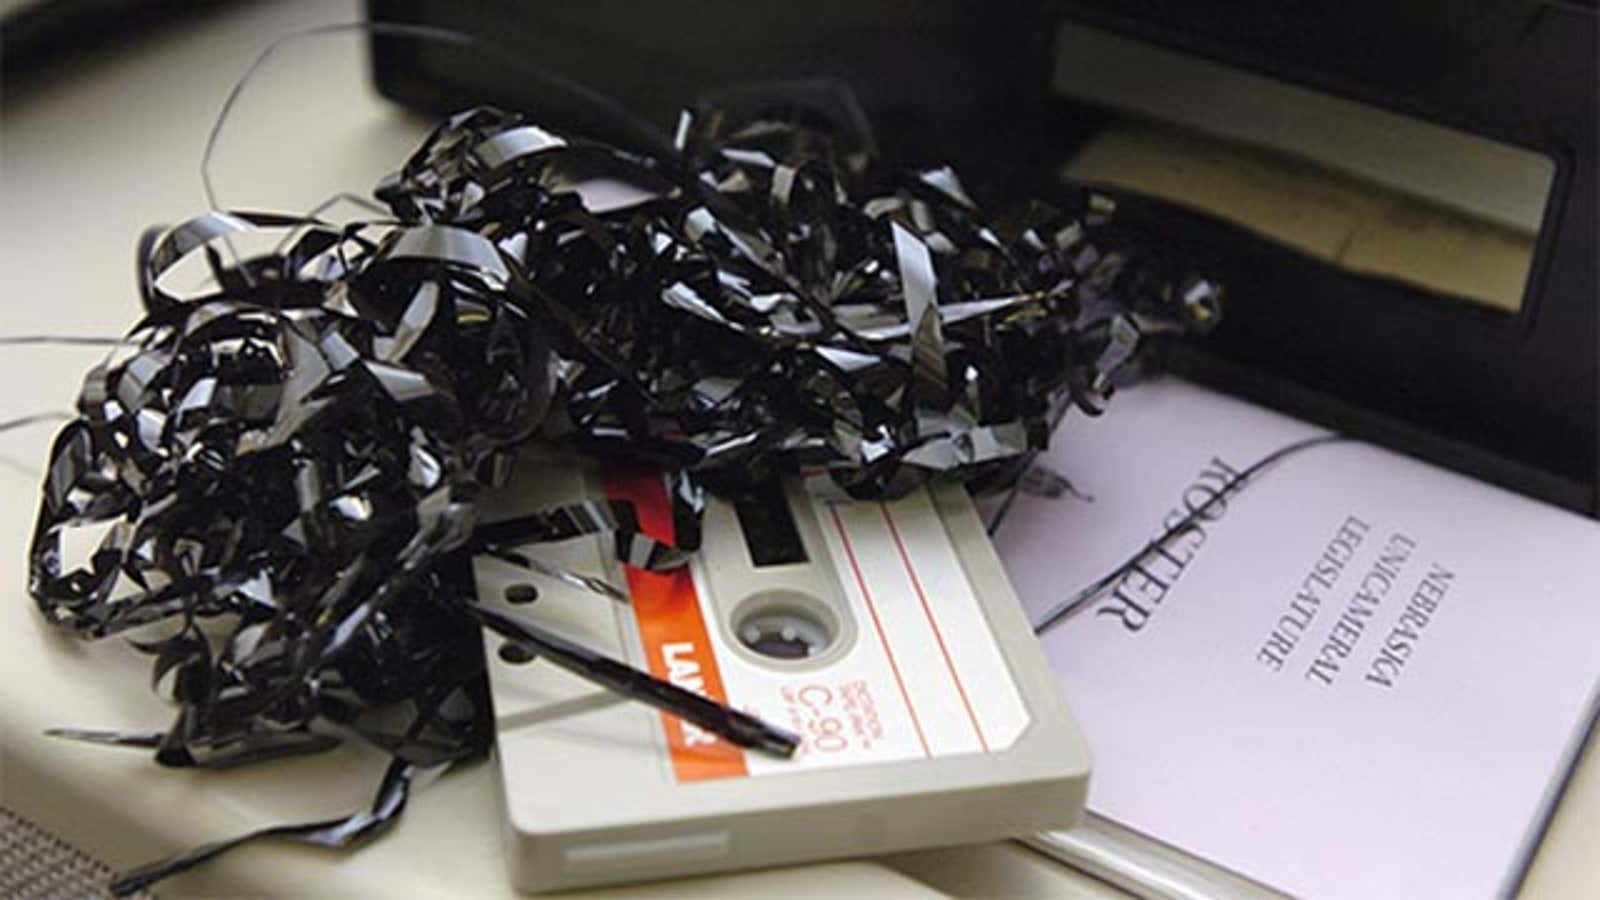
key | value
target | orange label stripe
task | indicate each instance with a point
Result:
(677, 645)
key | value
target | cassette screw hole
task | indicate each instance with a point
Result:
(516, 654)
(783, 634)
(521, 593)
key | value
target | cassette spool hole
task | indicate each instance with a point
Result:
(780, 630)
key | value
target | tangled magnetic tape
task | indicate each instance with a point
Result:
(284, 467)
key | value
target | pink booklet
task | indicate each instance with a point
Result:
(1359, 676)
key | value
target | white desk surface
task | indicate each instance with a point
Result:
(90, 155)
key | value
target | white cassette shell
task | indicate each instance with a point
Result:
(927, 713)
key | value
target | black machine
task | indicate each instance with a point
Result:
(1400, 196)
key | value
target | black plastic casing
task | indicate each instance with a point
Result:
(1513, 399)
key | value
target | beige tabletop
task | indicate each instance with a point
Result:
(92, 153)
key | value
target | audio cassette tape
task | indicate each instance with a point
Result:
(885, 636)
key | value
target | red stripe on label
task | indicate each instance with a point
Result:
(883, 638)
(677, 645)
(938, 636)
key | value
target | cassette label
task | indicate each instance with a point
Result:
(672, 629)
(923, 677)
